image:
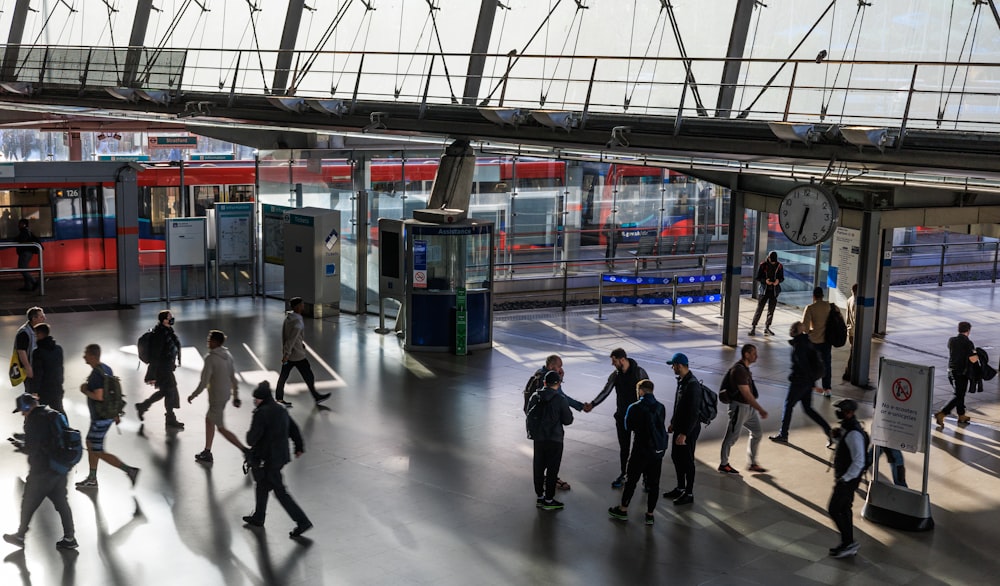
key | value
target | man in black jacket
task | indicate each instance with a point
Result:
(800, 386)
(770, 274)
(961, 356)
(686, 427)
(623, 379)
(270, 430)
(43, 482)
(645, 419)
(47, 363)
(26, 253)
(848, 466)
(548, 439)
(164, 357)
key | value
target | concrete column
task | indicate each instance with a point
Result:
(869, 265)
(127, 242)
(290, 34)
(13, 50)
(734, 270)
(136, 43)
(480, 45)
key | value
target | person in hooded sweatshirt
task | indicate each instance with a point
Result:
(548, 438)
(219, 377)
(47, 362)
(800, 386)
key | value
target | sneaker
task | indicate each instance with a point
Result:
(140, 410)
(551, 505)
(727, 469)
(781, 439)
(616, 512)
(300, 529)
(539, 501)
(133, 474)
(322, 397)
(204, 456)
(684, 499)
(173, 423)
(14, 539)
(768, 332)
(831, 444)
(827, 393)
(752, 332)
(284, 404)
(843, 551)
(18, 436)
(673, 493)
(87, 483)
(939, 418)
(618, 482)
(649, 518)
(67, 543)
(253, 521)
(757, 468)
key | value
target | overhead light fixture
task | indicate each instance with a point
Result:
(102, 136)
(116, 136)
(619, 137)
(377, 121)
(794, 132)
(125, 94)
(288, 104)
(21, 88)
(862, 136)
(556, 119)
(504, 116)
(161, 97)
(332, 107)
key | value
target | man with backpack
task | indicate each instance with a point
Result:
(743, 410)
(814, 318)
(537, 381)
(43, 482)
(685, 424)
(219, 377)
(849, 463)
(47, 364)
(548, 413)
(164, 355)
(622, 380)
(644, 418)
(770, 274)
(806, 364)
(100, 422)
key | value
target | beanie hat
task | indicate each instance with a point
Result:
(263, 391)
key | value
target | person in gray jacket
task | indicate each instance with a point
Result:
(552, 414)
(293, 354)
(219, 377)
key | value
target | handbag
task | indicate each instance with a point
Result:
(16, 372)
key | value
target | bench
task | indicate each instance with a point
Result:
(646, 246)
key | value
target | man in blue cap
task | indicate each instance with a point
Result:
(686, 427)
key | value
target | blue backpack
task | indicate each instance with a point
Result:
(67, 445)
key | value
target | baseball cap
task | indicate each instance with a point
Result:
(25, 402)
(552, 377)
(678, 358)
(846, 405)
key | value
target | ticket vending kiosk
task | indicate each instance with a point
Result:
(312, 259)
(429, 268)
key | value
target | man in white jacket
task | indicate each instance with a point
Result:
(219, 376)
(293, 354)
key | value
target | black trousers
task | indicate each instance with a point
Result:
(771, 300)
(683, 457)
(24, 256)
(41, 485)
(649, 467)
(269, 479)
(624, 442)
(958, 401)
(166, 389)
(545, 466)
(841, 509)
(307, 375)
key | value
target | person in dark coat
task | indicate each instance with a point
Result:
(644, 418)
(548, 441)
(164, 357)
(270, 430)
(686, 427)
(961, 359)
(622, 380)
(800, 386)
(770, 274)
(26, 253)
(47, 361)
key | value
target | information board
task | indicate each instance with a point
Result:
(272, 217)
(234, 233)
(845, 251)
(186, 242)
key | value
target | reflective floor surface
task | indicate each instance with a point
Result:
(419, 471)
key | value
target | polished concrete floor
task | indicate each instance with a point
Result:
(419, 472)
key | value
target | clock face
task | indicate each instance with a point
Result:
(808, 215)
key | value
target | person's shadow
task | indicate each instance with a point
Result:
(106, 541)
(269, 574)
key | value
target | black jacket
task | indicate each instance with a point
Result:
(639, 420)
(624, 385)
(47, 362)
(686, 405)
(164, 351)
(559, 415)
(801, 347)
(39, 437)
(960, 348)
(270, 430)
(768, 272)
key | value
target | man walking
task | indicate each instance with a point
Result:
(164, 357)
(270, 430)
(644, 418)
(848, 465)
(686, 427)
(293, 354)
(219, 377)
(26, 253)
(42, 482)
(99, 426)
(800, 385)
(743, 410)
(814, 321)
(622, 380)
(770, 274)
(961, 356)
(548, 413)
(47, 364)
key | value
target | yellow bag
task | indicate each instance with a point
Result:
(16, 372)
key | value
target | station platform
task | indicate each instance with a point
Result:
(417, 470)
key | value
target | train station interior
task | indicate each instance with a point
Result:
(459, 190)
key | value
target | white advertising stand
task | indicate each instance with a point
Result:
(187, 245)
(902, 422)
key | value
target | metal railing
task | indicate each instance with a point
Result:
(41, 262)
(916, 259)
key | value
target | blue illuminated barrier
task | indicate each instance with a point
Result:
(674, 300)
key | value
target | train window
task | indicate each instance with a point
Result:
(241, 193)
(33, 204)
(205, 197)
(164, 203)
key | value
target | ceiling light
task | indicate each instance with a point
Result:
(126, 94)
(332, 107)
(862, 136)
(21, 88)
(556, 119)
(794, 132)
(504, 116)
(293, 105)
(161, 97)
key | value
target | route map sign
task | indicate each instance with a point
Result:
(234, 232)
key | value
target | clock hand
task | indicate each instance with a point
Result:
(803, 224)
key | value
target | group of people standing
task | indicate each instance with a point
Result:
(267, 442)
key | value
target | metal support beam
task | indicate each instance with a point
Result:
(127, 241)
(731, 70)
(136, 43)
(293, 20)
(760, 247)
(734, 270)
(480, 45)
(869, 263)
(361, 179)
(885, 276)
(13, 51)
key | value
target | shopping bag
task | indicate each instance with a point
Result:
(16, 372)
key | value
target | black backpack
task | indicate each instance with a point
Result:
(67, 445)
(534, 383)
(142, 346)
(814, 365)
(836, 328)
(538, 413)
(709, 407)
